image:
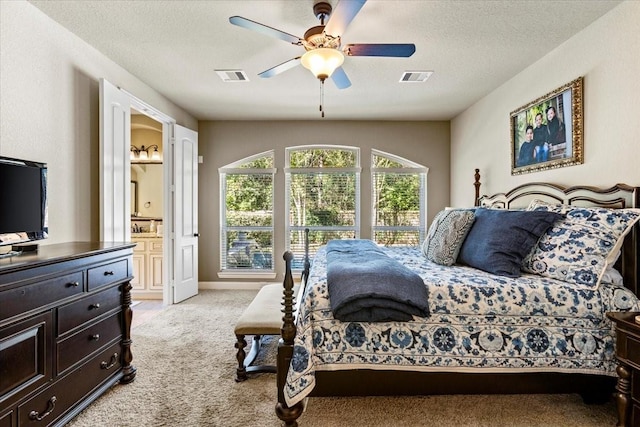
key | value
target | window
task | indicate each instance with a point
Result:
(247, 215)
(322, 194)
(398, 200)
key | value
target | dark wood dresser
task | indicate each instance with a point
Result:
(628, 355)
(65, 324)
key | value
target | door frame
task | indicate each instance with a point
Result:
(168, 125)
(115, 169)
(167, 211)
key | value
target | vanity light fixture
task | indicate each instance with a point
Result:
(142, 153)
(156, 154)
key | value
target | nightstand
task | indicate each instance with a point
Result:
(628, 355)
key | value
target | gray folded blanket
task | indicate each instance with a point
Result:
(366, 285)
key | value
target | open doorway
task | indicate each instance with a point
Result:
(179, 229)
(147, 206)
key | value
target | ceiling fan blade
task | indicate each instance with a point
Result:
(342, 16)
(280, 68)
(395, 50)
(340, 78)
(264, 29)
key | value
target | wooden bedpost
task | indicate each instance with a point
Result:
(285, 349)
(476, 184)
(288, 331)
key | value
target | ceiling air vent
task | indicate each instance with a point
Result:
(415, 76)
(232, 76)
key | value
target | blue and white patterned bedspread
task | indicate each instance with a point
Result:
(479, 323)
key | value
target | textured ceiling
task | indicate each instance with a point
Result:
(471, 46)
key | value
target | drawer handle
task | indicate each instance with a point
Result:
(94, 337)
(112, 362)
(35, 415)
(73, 284)
(108, 273)
(94, 306)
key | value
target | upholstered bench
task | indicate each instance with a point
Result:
(262, 317)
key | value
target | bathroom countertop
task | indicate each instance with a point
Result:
(145, 235)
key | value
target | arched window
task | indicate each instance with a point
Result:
(398, 198)
(246, 235)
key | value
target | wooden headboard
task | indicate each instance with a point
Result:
(617, 197)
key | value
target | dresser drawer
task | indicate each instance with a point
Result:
(6, 420)
(635, 386)
(635, 415)
(107, 274)
(62, 395)
(632, 350)
(76, 313)
(81, 344)
(25, 298)
(25, 356)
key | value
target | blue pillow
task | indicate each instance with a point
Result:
(500, 239)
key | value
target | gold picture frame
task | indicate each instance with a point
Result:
(547, 132)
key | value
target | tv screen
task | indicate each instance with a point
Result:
(23, 201)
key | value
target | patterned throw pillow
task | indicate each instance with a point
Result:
(579, 248)
(446, 234)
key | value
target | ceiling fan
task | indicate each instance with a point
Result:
(324, 54)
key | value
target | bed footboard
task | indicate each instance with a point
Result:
(285, 348)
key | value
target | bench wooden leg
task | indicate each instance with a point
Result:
(241, 371)
(245, 360)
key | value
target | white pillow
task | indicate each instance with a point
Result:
(613, 276)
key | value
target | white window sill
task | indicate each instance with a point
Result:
(246, 274)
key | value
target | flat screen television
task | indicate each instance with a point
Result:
(23, 201)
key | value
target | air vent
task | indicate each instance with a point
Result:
(415, 76)
(232, 76)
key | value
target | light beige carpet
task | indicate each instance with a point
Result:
(186, 368)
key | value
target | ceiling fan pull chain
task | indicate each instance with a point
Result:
(322, 97)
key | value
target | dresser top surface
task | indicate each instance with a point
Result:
(48, 254)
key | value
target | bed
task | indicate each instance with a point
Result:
(542, 331)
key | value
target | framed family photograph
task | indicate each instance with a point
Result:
(547, 132)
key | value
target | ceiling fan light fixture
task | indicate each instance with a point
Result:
(322, 62)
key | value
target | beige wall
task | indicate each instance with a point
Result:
(607, 54)
(49, 112)
(221, 143)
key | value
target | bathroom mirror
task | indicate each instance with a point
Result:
(148, 178)
(134, 198)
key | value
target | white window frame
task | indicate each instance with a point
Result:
(411, 168)
(357, 170)
(235, 168)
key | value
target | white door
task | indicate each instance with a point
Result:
(185, 213)
(115, 175)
